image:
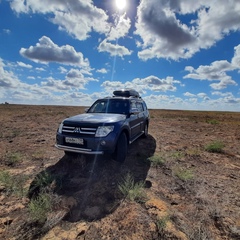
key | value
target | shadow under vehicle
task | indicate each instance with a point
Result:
(89, 184)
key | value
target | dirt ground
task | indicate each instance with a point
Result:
(190, 193)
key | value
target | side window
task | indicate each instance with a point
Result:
(133, 105)
(144, 106)
(140, 107)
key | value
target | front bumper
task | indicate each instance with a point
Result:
(91, 145)
(78, 150)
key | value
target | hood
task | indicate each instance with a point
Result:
(96, 118)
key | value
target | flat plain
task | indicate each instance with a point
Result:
(181, 182)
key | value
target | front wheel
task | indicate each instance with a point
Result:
(145, 133)
(121, 148)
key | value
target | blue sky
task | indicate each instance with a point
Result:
(178, 54)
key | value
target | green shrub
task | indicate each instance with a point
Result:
(6, 180)
(177, 155)
(215, 147)
(184, 174)
(193, 152)
(44, 179)
(157, 160)
(212, 121)
(13, 184)
(12, 159)
(40, 207)
(131, 190)
(162, 223)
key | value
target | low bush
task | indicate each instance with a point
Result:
(162, 223)
(12, 159)
(157, 160)
(131, 190)
(13, 184)
(184, 174)
(40, 207)
(215, 147)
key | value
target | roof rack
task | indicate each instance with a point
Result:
(126, 93)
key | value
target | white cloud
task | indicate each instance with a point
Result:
(120, 30)
(151, 83)
(74, 80)
(40, 69)
(202, 95)
(46, 51)
(113, 49)
(164, 34)
(188, 94)
(236, 57)
(76, 17)
(62, 69)
(171, 102)
(102, 70)
(227, 94)
(7, 78)
(24, 65)
(214, 72)
(216, 20)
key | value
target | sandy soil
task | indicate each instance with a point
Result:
(190, 194)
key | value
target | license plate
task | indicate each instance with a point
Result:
(74, 140)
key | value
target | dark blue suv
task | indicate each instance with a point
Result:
(107, 127)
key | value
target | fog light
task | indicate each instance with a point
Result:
(103, 143)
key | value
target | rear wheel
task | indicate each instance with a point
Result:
(121, 148)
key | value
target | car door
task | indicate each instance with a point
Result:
(134, 122)
(141, 116)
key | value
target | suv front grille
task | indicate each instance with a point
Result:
(79, 130)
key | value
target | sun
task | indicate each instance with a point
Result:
(120, 4)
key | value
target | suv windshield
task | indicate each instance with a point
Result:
(119, 106)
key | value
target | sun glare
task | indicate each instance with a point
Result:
(121, 4)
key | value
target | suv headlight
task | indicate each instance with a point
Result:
(60, 128)
(103, 131)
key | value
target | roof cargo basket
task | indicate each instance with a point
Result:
(126, 93)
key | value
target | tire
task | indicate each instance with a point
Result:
(121, 148)
(145, 134)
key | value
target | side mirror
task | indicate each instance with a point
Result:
(86, 109)
(134, 111)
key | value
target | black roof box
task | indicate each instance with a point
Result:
(126, 93)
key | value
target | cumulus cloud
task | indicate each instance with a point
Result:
(102, 70)
(236, 57)
(47, 51)
(40, 69)
(165, 33)
(113, 49)
(226, 94)
(216, 71)
(188, 94)
(152, 83)
(120, 30)
(77, 18)
(7, 78)
(74, 80)
(24, 65)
